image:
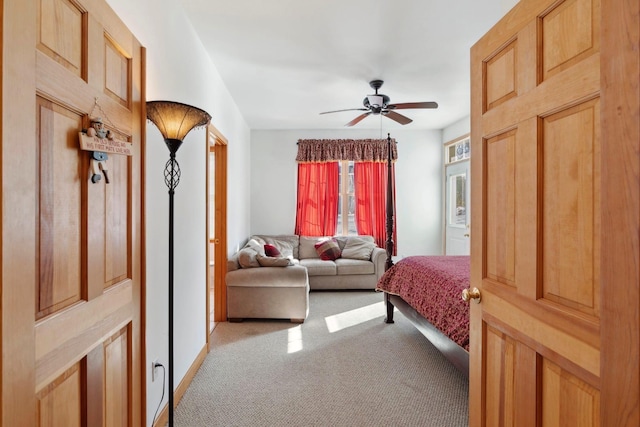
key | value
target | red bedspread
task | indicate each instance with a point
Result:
(432, 285)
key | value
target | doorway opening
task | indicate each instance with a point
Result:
(457, 194)
(216, 228)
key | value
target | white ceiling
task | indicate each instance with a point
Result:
(285, 61)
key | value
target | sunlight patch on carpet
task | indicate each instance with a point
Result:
(294, 339)
(355, 317)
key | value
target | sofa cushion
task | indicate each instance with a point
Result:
(354, 266)
(271, 250)
(358, 248)
(318, 267)
(287, 244)
(307, 247)
(268, 261)
(247, 258)
(328, 250)
(342, 240)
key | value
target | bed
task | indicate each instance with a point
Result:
(427, 291)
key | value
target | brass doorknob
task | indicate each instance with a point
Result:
(471, 294)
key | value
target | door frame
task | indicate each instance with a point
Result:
(217, 143)
(445, 163)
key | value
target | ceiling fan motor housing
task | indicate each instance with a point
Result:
(376, 101)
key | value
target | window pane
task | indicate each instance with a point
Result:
(457, 200)
(346, 201)
(351, 181)
(339, 223)
(352, 225)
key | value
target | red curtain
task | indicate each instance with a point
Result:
(370, 180)
(317, 206)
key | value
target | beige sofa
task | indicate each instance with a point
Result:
(259, 286)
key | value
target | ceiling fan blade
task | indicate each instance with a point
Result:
(403, 120)
(407, 105)
(348, 109)
(358, 119)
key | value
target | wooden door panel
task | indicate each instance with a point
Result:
(570, 32)
(60, 403)
(500, 354)
(566, 399)
(116, 384)
(500, 208)
(501, 76)
(117, 71)
(60, 222)
(570, 208)
(64, 47)
(116, 216)
(510, 396)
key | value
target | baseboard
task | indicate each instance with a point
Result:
(163, 418)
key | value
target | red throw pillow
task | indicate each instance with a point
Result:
(328, 250)
(272, 251)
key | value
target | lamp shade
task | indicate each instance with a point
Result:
(175, 120)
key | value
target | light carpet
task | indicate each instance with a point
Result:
(342, 367)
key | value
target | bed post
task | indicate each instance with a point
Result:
(389, 243)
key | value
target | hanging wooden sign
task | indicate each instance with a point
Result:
(100, 141)
(90, 141)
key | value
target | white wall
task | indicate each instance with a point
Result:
(418, 183)
(178, 69)
(456, 129)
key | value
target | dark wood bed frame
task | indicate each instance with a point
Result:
(457, 355)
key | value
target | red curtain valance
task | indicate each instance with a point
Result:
(357, 150)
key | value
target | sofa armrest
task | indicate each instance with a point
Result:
(379, 259)
(273, 277)
(233, 263)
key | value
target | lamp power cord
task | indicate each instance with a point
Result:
(159, 365)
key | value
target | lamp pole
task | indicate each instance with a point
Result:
(171, 179)
(174, 120)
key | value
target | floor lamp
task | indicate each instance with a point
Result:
(175, 121)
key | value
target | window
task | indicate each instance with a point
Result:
(346, 200)
(342, 187)
(458, 150)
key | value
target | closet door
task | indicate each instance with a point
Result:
(71, 249)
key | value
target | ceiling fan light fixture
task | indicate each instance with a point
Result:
(375, 100)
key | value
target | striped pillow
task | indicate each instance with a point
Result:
(328, 250)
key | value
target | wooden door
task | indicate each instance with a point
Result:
(537, 221)
(71, 260)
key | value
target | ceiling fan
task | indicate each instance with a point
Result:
(379, 104)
